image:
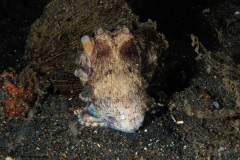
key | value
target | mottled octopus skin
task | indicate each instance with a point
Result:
(111, 71)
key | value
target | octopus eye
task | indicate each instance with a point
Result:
(93, 35)
(126, 30)
(97, 31)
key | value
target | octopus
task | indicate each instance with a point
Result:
(110, 71)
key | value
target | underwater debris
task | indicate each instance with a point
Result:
(227, 70)
(16, 98)
(19, 91)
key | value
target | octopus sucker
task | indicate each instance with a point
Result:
(88, 117)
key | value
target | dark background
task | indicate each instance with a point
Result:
(16, 16)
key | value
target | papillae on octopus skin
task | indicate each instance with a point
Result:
(110, 71)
